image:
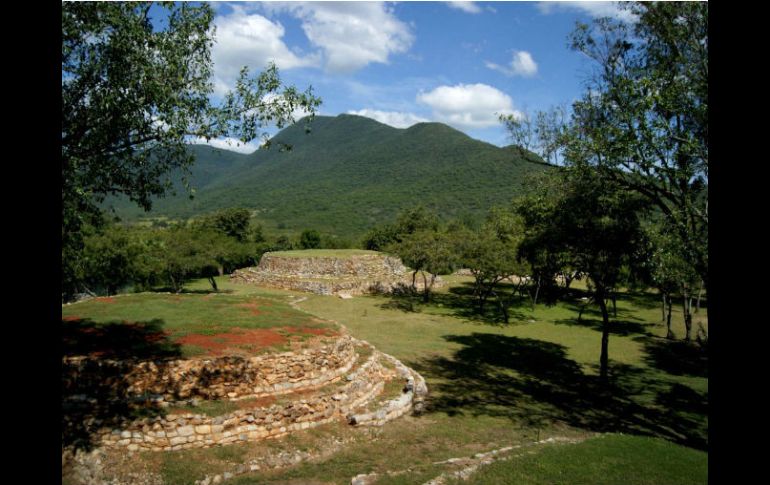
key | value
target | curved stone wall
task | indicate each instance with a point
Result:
(176, 432)
(228, 377)
(352, 275)
(365, 266)
(359, 382)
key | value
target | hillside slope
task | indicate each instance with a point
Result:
(351, 173)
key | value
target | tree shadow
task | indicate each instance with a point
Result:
(675, 357)
(117, 339)
(461, 303)
(185, 291)
(532, 382)
(96, 392)
(642, 299)
(622, 328)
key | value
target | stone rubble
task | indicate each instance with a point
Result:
(231, 377)
(344, 277)
(357, 388)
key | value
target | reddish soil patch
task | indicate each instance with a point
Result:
(252, 307)
(260, 402)
(105, 299)
(71, 318)
(251, 340)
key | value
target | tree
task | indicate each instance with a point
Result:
(491, 254)
(183, 253)
(643, 122)
(598, 225)
(232, 222)
(428, 252)
(109, 257)
(542, 248)
(134, 91)
(407, 222)
(541, 133)
(668, 271)
(310, 239)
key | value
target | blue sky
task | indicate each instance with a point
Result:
(459, 63)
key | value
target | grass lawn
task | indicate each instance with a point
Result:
(493, 385)
(149, 324)
(606, 460)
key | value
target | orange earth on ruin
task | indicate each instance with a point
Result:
(250, 340)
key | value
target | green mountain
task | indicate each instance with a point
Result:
(351, 173)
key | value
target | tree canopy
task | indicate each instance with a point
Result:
(136, 87)
(643, 121)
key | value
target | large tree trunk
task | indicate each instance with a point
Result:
(426, 288)
(686, 305)
(568, 280)
(177, 288)
(614, 304)
(669, 333)
(502, 306)
(604, 359)
(663, 308)
(537, 292)
(700, 293)
(485, 295)
(582, 309)
(213, 283)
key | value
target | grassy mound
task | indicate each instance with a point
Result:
(154, 325)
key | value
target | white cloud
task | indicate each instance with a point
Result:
(469, 7)
(252, 40)
(594, 9)
(468, 105)
(230, 144)
(522, 64)
(393, 118)
(350, 34)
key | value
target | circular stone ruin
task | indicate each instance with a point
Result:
(164, 402)
(341, 272)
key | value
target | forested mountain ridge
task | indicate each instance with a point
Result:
(351, 173)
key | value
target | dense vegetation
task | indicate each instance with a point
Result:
(351, 173)
(134, 90)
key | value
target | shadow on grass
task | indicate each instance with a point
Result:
(675, 357)
(186, 291)
(617, 327)
(95, 390)
(532, 382)
(461, 303)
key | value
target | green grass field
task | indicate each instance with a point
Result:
(606, 460)
(149, 323)
(494, 385)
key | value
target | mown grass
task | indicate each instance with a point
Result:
(179, 315)
(493, 385)
(606, 460)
